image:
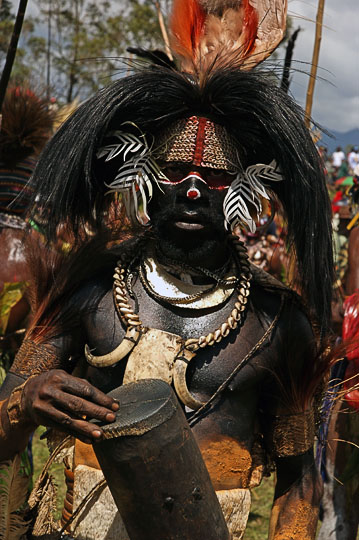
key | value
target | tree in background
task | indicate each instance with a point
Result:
(6, 25)
(75, 46)
(71, 48)
(7, 18)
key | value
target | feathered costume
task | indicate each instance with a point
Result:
(214, 111)
(26, 127)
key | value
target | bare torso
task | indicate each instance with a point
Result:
(228, 434)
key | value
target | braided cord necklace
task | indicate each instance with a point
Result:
(132, 320)
(175, 300)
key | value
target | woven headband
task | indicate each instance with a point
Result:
(199, 141)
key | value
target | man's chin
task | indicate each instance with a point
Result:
(188, 243)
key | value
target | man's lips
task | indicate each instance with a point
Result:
(189, 222)
(189, 226)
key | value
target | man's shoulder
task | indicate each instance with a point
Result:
(270, 288)
(102, 262)
(277, 300)
(267, 281)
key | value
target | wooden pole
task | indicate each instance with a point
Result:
(313, 73)
(163, 30)
(11, 53)
(48, 52)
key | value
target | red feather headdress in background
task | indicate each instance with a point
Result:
(351, 339)
(217, 33)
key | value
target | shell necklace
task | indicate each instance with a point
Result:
(187, 348)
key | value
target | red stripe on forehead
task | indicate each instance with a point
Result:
(199, 150)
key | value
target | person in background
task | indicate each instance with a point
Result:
(26, 127)
(337, 159)
(353, 159)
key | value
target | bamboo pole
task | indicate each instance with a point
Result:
(315, 59)
(163, 30)
(11, 53)
(48, 51)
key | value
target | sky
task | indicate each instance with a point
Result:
(336, 95)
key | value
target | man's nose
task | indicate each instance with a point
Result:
(193, 189)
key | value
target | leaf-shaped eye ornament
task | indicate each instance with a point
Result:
(134, 177)
(245, 193)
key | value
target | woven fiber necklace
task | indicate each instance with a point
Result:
(189, 347)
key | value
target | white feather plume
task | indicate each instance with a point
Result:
(134, 177)
(247, 190)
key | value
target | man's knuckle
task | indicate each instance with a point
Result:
(57, 378)
(36, 405)
(75, 405)
(55, 395)
(88, 391)
(44, 392)
(66, 420)
(99, 412)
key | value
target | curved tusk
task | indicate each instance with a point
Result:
(180, 383)
(125, 347)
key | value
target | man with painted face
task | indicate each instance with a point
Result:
(193, 155)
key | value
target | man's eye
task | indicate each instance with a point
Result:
(216, 172)
(173, 173)
(172, 170)
(219, 179)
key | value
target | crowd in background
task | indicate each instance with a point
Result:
(340, 164)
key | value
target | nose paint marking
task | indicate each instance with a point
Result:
(193, 193)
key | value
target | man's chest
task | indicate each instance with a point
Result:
(164, 331)
(228, 369)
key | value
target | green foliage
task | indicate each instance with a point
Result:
(258, 520)
(6, 26)
(5, 11)
(22, 70)
(87, 41)
(40, 455)
(11, 293)
(141, 25)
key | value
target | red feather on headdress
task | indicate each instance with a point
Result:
(250, 27)
(215, 33)
(187, 26)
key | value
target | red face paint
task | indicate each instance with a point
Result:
(193, 193)
(213, 178)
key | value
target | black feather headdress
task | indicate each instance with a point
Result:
(266, 122)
